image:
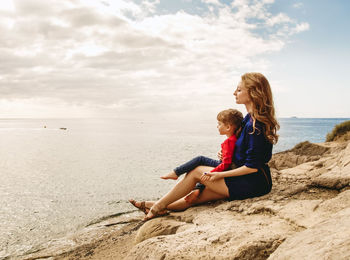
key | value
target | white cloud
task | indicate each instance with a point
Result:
(117, 56)
(43, 108)
(213, 2)
(298, 5)
(240, 3)
(150, 6)
(7, 6)
(300, 28)
(278, 19)
(119, 7)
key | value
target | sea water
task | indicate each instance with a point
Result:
(55, 181)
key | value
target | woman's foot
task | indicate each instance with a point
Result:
(144, 206)
(155, 211)
(193, 196)
(172, 175)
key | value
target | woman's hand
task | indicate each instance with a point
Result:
(220, 155)
(211, 176)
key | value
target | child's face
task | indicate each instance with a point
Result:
(224, 129)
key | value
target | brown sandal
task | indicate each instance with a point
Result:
(142, 206)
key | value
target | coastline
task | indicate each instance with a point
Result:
(310, 198)
(78, 245)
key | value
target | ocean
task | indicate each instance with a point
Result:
(55, 181)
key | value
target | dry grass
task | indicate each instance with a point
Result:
(338, 131)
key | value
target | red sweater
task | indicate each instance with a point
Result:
(227, 148)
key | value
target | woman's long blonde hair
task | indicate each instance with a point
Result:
(263, 109)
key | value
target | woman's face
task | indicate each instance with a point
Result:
(241, 94)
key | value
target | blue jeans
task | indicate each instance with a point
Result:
(195, 162)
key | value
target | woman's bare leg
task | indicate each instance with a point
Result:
(205, 196)
(186, 185)
(181, 204)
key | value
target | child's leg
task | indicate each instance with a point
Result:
(193, 195)
(190, 165)
(171, 175)
(194, 163)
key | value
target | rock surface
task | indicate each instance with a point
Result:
(305, 216)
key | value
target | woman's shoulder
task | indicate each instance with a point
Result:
(249, 125)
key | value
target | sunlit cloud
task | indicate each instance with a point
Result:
(119, 56)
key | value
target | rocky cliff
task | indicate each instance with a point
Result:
(306, 216)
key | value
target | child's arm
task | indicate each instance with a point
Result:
(227, 154)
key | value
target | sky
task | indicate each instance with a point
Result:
(171, 58)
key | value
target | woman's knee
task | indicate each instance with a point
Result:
(195, 173)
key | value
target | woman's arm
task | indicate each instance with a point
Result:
(243, 170)
(212, 176)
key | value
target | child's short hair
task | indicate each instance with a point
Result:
(230, 117)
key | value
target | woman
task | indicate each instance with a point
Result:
(253, 150)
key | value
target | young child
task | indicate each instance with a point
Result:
(229, 122)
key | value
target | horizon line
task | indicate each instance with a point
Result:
(110, 117)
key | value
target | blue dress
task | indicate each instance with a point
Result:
(254, 151)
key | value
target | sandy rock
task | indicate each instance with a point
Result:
(225, 235)
(297, 212)
(337, 175)
(306, 213)
(326, 240)
(157, 227)
(300, 172)
(332, 180)
(301, 153)
(309, 149)
(340, 202)
(343, 138)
